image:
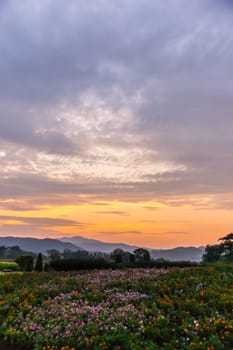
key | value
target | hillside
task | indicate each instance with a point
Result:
(36, 245)
(94, 245)
(179, 253)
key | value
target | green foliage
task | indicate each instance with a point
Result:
(141, 255)
(39, 263)
(117, 255)
(25, 262)
(212, 253)
(220, 252)
(119, 309)
(79, 254)
(80, 264)
(121, 257)
(8, 266)
(91, 263)
(227, 246)
(11, 252)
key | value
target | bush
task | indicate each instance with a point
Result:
(100, 263)
(80, 264)
(25, 262)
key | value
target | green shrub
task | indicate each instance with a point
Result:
(25, 262)
(80, 264)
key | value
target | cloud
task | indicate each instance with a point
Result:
(113, 212)
(150, 207)
(113, 233)
(115, 102)
(169, 190)
(178, 233)
(39, 226)
(41, 221)
(16, 205)
(26, 230)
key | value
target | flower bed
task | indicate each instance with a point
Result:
(119, 309)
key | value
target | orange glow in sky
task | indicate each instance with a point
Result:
(147, 224)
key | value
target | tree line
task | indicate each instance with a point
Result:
(11, 253)
(82, 259)
(220, 252)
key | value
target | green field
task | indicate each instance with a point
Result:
(8, 265)
(129, 309)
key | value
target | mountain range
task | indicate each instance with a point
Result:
(75, 243)
(178, 253)
(93, 245)
(37, 245)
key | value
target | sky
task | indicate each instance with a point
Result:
(116, 120)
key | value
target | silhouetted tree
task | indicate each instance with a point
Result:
(2, 251)
(227, 246)
(222, 251)
(13, 252)
(54, 254)
(212, 253)
(141, 255)
(78, 254)
(67, 254)
(39, 263)
(128, 257)
(117, 255)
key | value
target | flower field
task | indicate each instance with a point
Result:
(137, 309)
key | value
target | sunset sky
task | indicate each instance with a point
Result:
(116, 120)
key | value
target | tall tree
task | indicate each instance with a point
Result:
(227, 246)
(117, 255)
(212, 253)
(54, 254)
(142, 255)
(39, 263)
(222, 251)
